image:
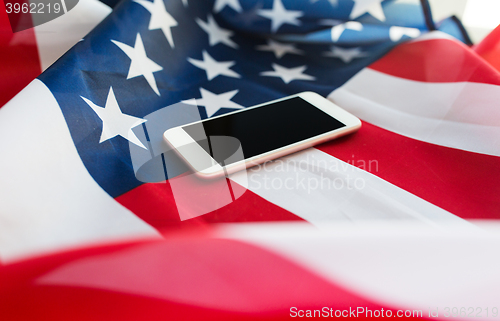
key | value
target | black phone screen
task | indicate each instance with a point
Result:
(265, 128)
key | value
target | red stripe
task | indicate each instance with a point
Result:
(191, 278)
(461, 182)
(436, 60)
(489, 48)
(18, 58)
(155, 204)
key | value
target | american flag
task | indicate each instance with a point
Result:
(83, 163)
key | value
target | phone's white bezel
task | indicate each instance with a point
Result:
(176, 137)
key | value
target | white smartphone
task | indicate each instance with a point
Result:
(231, 142)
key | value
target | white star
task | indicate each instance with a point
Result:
(334, 3)
(373, 7)
(279, 49)
(396, 33)
(279, 15)
(345, 54)
(140, 65)
(185, 3)
(214, 102)
(339, 29)
(250, 15)
(214, 67)
(220, 4)
(288, 74)
(215, 33)
(160, 18)
(114, 122)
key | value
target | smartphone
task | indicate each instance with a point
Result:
(231, 142)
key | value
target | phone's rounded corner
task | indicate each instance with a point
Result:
(168, 134)
(358, 124)
(309, 94)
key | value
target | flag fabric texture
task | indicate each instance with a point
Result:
(83, 162)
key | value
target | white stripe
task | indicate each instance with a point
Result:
(320, 188)
(48, 199)
(63, 3)
(395, 265)
(461, 115)
(56, 37)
